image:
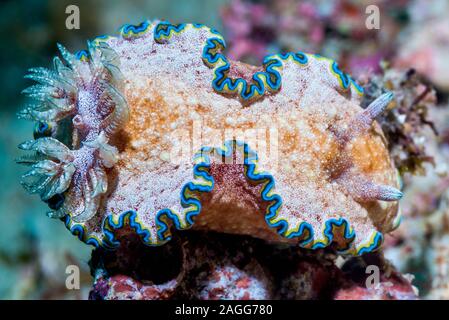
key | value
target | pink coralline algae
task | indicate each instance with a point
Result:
(391, 285)
(383, 291)
(230, 283)
(111, 159)
(216, 267)
(121, 287)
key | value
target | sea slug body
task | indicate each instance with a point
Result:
(155, 129)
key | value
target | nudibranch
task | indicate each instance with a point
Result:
(156, 130)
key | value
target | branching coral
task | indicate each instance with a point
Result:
(327, 177)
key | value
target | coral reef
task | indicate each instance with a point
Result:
(420, 245)
(405, 123)
(118, 167)
(119, 186)
(391, 284)
(198, 265)
(333, 28)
